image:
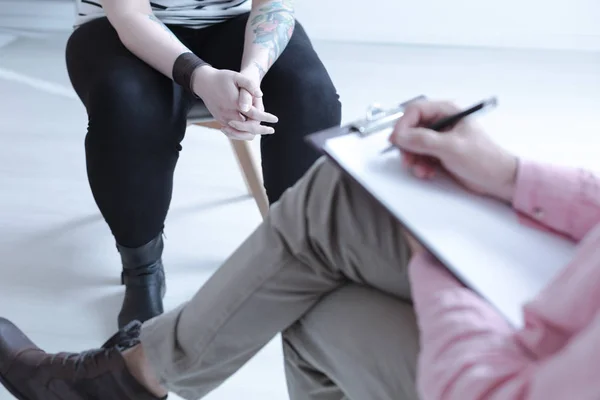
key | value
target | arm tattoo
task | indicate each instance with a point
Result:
(273, 26)
(262, 72)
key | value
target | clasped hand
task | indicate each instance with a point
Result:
(235, 101)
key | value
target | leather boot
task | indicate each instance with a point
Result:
(30, 373)
(144, 279)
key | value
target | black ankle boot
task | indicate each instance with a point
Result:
(144, 279)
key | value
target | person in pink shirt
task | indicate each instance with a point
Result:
(365, 312)
(469, 351)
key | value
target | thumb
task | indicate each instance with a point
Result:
(245, 100)
(422, 141)
(250, 85)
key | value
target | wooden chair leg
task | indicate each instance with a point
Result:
(250, 171)
(251, 174)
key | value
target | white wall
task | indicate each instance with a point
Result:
(555, 24)
(6, 39)
(559, 24)
(31, 17)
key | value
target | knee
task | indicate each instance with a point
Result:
(128, 107)
(309, 93)
(300, 82)
(121, 94)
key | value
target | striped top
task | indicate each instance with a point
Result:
(189, 13)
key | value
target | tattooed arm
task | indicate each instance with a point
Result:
(268, 31)
(143, 34)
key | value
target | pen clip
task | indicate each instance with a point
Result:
(378, 118)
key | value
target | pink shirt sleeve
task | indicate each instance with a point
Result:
(469, 352)
(564, 199)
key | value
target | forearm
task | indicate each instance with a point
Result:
(269, 29)
(564, 199)
(149, 39)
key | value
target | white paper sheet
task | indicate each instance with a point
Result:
(479, 239)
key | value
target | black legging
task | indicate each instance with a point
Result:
(137, 118)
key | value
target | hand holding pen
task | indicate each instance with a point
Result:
(433, 134)
(448, 121)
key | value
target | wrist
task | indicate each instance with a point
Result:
(253, 71)
(200, 78)
(508, 184)
(184, 67)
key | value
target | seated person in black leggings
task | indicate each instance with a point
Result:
(122, 60)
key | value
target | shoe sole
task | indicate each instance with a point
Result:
(11, 389)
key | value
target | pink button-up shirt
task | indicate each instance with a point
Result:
(470, 352)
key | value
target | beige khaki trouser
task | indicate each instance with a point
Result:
(327, 268)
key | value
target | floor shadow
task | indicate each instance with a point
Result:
(52, 257)
(61, 260)
(196, 208)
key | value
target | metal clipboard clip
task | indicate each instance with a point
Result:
(378, 118)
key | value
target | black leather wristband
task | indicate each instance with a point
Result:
(184, 68)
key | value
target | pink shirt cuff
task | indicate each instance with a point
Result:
(537, 194)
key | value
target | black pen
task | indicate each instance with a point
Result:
(451, 120)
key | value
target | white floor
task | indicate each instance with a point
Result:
(59, 271)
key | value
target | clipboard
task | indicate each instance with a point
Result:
(376, 119)
(481, 241)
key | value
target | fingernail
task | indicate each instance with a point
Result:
(245, 107)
